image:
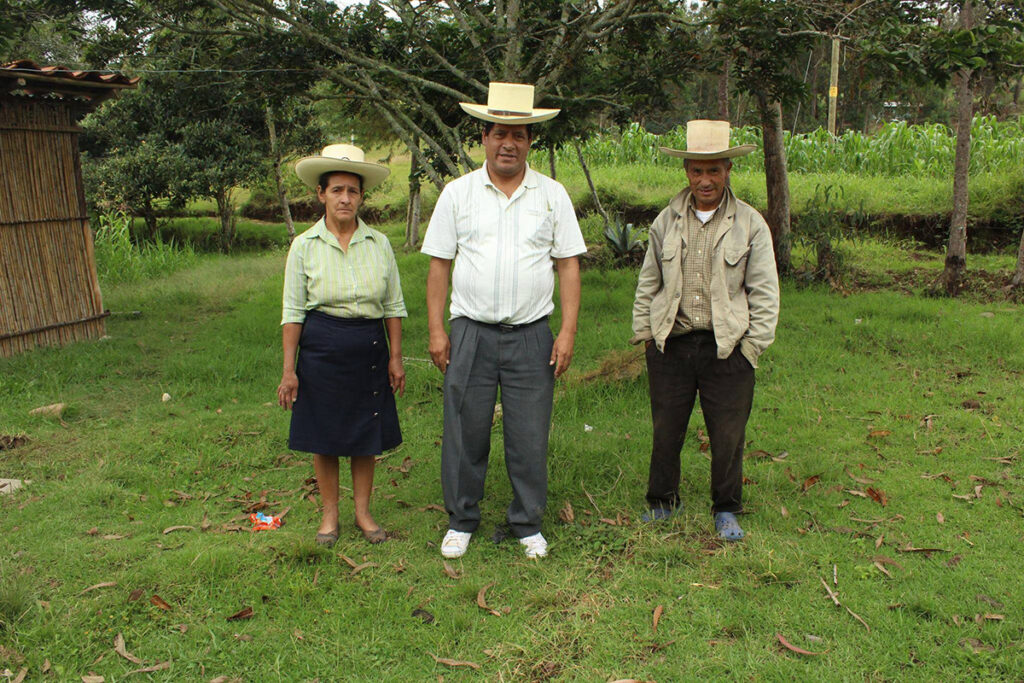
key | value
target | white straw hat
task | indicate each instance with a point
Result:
(708, 140)
(340, 158)
(509, 103)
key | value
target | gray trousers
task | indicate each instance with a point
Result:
(483, 358)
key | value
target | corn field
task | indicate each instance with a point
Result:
(895, 149)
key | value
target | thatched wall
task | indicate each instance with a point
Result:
(49, 294)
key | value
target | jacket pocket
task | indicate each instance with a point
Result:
(736, 268)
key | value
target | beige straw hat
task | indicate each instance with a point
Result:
(509, 103)
(708, 140)
(341, 158)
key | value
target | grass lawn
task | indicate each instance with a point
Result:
(883, 465)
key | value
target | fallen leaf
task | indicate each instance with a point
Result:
(297, 634)
(119, 648)
(878, 541)
(150, 669)
(970, 404)
(657, 617)
(566, 514)
(93, 531)
(172, 529)
(205, 524)
(912, 549)
(105, 584)
(994, 617)
(855, 492)
(857, 617)
(878, 433)
(348, 560)
(985, 598)
(244, 613)
(52, 410)
(93, 679)
(784, 511)
(860, 480)
(954, 561)
(135, 595)
(243, 637)
(877, 495)
(160, 602)
(46, 666)
(811, 481)
(939, 518)
(481, 600)
(423, 614)
(799, 650)
(453, 662)
(21, 675)
(450, 571)
(434, 507)
(758, 454)
(361, 567)
(882, 569)
(977, 646)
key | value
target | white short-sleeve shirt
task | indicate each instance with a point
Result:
(503, 246)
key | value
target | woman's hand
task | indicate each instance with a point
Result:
(288, 390)
(396, 375)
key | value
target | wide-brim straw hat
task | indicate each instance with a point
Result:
(340, 158)
(708, 140)
(510, 103)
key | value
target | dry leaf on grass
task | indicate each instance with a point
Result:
(657, 617)
(566, 514)
(244, 613)
(878, 433)
(348, 560)
(878, 496)
(135, 595)
(361, 567)
(172, 529)
(450, 571)
(92, 678)
(160, 602)
(793, 648)
(21, 675)
(811, 481)
(114, 537)
(453, 662)
(434, 507)
(105, 584)
(977, 646)
(119, 648)
(150, 669)
(52, 410)
(481, 600)
(860, 480)
(423, 614)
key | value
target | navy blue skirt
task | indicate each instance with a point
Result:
(345, 406)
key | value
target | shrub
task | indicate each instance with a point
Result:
(119, 259)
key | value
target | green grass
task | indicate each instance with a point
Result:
(106, 483)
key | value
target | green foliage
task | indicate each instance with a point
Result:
(621, 238)
(827, 229)
(895, 149)
(119, 259)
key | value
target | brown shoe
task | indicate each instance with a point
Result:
(328, 539)
(375, 536)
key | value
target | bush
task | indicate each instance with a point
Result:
(119, 259)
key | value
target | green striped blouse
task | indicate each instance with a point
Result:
(361, 282)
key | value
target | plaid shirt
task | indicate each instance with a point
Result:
(695, 305)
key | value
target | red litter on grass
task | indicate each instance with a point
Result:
(262, 522)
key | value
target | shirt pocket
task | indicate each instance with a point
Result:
(540, 228)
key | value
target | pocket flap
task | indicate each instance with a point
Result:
(734, 256)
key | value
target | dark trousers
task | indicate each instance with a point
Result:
(484, 357)
(690, 367)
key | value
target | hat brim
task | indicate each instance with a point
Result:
(738, 151)
(309, 170)
(480, 111)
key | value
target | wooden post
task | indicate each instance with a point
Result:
(833, 88)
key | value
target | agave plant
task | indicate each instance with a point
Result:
(621, 239)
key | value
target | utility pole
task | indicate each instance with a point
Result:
(833, 87)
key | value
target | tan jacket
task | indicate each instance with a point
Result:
(744, 280)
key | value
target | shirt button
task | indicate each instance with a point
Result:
(376, 393)
(375, 343)
(375, 414)
(373, 367)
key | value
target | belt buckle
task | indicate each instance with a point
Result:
(505, 327)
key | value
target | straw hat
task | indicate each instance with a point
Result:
(708, 140)
(509, 103)
(340, 158)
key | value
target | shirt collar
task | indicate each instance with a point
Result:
(362, 232)
(530, 180)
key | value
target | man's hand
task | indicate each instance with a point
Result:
(561, 352)
(440, 349)
(288, 390)
(396, 375)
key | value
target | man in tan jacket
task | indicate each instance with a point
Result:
(706, 307)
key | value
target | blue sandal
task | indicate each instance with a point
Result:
(727, 527)
(660, 514)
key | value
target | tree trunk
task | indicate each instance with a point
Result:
(149, 213)
(1018, 274)
(590, 182)
(723, 90)
(225, 209)
(412, 213)
(950, 281)
(275, 153)
(776, 180)
(551, 161)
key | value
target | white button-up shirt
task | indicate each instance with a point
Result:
(503, 246)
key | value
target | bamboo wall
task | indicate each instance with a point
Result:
(49, 293)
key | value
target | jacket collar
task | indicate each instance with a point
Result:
(681, 203)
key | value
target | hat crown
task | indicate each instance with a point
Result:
(344, 152)
(707, 136)
(510, 98)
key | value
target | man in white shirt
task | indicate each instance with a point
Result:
(507, 228)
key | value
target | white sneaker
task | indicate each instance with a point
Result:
(536, 546)
(455, 543)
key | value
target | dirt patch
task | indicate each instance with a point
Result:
(618, 366)
(8, 442)
(978, 285)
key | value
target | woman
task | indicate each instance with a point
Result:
(340, 282)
